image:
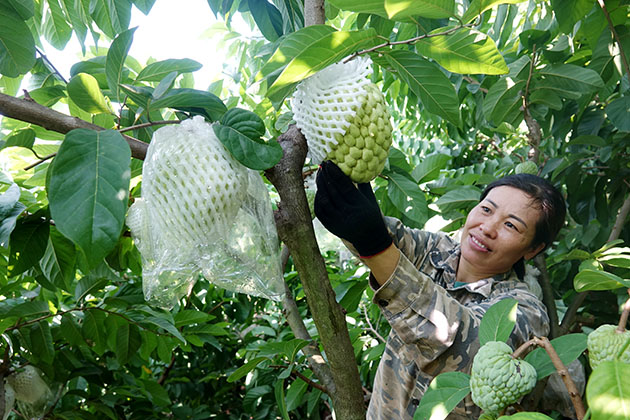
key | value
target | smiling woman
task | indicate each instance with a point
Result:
(434, 291)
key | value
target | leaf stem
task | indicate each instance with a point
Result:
(148, 124)
(623, 319)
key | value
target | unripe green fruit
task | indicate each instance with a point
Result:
(487, 416)
(344, 118)
(527, 167)
(28, 385)
(9, 400)
(605, 343)
(498, 380)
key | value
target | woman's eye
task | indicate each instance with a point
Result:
(485, 209)
(511, 226)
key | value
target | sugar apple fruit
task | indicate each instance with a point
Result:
(605, 343)
(344, 117)
(527, 167)
(28, 385)
(498, 380)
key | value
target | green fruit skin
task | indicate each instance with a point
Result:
(362, 151)
(605, 343)
(527, 167)
(498, 380)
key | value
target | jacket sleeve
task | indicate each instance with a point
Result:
(424, 315)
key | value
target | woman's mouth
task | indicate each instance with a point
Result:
(477, 244)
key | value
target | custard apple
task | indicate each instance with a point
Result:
(527, 167)
(605, 343)
(28, 385)
(344, 117)
(498, 380)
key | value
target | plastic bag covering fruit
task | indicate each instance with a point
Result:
(9, 400)
(344, 117)
(201, 211)
(498, 380)
(605, 343)
(28, 385)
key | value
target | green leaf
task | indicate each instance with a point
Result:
(28, 244)
(157, 394)
(83, 89)
(42, 342)
(240, 132)
(24, 8)
(568, 12)
(571, 78)
(155, 72)
(128, 341)
(598, 280)
(569, 347)
(477, 7)
(56, 29)
(464, 51)
(87, 285)
(281, 400)
(17, 47)
(458, 198)
(608, 391)
(94, 330)
(432, 9)
(166, 325)
(116, 61)
(399, 9)
(28, 309)
(267, 17)
(245, 369)
(429, 168)
(88, 188)
(144, 5)
(327, 50)
(191, 100)
(444, 393)
(408, 198)
(189, 316)
(295, 394)
(119, 14)
(10, 209)
(618, 111)
(58, 262)
(498, 321)
(503, 102)
(526, 416)
(20, 138)
(71, 331)
(426, 80)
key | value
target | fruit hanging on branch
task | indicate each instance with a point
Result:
(344, 117)
(605, 343)
(202, 212)
(497, 379)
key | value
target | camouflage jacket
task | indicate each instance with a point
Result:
(435, 322)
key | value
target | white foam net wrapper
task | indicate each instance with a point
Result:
(324, 103)
(202, 212)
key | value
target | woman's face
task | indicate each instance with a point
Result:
(499, 231)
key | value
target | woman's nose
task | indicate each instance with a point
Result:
(488, 228)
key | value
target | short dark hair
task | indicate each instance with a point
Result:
(552, 205)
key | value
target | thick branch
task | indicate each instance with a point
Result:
(548, 297)
(620, 220)
(622, 53)
(314, 356)
(314, 12)
(623, 319)
(34, 113)
(295, 229)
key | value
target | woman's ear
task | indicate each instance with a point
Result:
(534, 251)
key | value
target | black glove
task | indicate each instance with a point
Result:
(349, 212)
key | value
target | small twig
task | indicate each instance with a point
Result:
(407, 41)
(148, 124)
(622, 53)
(43, 56)
(39, 162)
(623, 319)
(534, 134)
(304, 378)
(371, 328)
(167, 371)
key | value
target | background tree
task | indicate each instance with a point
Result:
(475, 89)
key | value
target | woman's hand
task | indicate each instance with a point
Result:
(350, 212)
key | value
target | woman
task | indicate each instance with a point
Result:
(434, 291)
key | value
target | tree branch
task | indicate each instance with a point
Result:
(548, 297)
(623, 319)
(314, 12)
(31, 112)
(622, 53)
(295, 229)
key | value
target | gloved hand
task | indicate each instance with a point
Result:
(349, 212)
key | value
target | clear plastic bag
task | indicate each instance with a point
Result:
(202, 213)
